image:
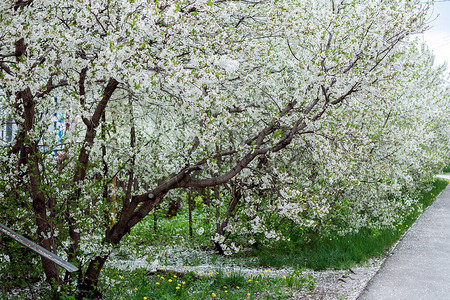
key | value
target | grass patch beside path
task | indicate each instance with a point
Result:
(342, 252)
(213, 285)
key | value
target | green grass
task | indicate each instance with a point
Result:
(174, 231)
(342, 252)
(214, 284)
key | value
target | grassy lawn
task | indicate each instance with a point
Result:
(215, 284)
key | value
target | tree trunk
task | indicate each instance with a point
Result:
(190, 212)
(30, 156)
(87, 287)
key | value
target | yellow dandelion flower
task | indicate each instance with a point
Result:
(249, 280)
(145, 298)
(157, 283)
(162, 277)
(162, 268)
(158, 275)
(268, 270)
(179, 284)
(284, 277)
(262, 274)
(170, 280)
(237, 287)
(213, 295)
(224, 287)
(185, 267)
(248, 294)
(177, 287)
(251, 274)
(135, 289)
(184, 282)
(175, 276)
(101, 270)
(226, 291)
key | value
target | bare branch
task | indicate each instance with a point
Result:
(50, 87)
(6, 68)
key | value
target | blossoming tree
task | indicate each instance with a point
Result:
(163, 95)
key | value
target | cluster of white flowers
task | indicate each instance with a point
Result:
(325, 110)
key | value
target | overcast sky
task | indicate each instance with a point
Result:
(438, 37)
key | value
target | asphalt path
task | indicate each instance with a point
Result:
(419, 265)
